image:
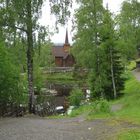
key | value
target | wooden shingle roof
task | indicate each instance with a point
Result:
(58, 51)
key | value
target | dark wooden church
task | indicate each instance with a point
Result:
(62, 55)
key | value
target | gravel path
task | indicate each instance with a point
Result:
(136, 73)
(59, 129)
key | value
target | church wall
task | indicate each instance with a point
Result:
(69, 61)
(59, 61)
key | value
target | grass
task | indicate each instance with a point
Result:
(88, 111)
(129, 135)
(100, 115)
(84, 110)
(130, 101)
(131, 108)
(62, 78)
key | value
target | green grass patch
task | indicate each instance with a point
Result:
(94, 110)
(130, 101)
(82, 110)
(129, 135)
(61, 78)
(67, 76)
(100, 115)
(88, 112)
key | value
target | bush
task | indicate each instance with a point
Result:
(13, 89)
(101, 106)
(76, 96)
(39, 79)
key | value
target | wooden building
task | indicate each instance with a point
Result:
(62, 55)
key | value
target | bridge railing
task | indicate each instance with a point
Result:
(58, 69)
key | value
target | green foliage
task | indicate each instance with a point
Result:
(88, 39)
(81, 110)
(40, 99)
(118, 71)
(129, 28)
(88, 17)
(43, 56)
(132, 65)
(17, 53)
(101, 106)
(12, 86)
(96, 44)
(106, 80)
(39, 79)
(61, 9)
(80, 74)
(76, 96)
(95, 109)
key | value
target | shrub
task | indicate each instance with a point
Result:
(13, 91)
(39, 79)
(101, 106)
(76, 96)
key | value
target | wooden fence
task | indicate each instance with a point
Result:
(58, 69)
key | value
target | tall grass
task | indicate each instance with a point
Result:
(131, 100)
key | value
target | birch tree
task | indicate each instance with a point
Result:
(129, 28)
(88, 24)
(22, 17)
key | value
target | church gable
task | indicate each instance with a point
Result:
(62, 54)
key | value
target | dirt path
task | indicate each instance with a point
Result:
(59, 129)
(136, 73)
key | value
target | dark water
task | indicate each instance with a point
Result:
(56, 95)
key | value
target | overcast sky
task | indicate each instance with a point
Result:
(47, 19)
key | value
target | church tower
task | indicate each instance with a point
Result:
(66, 44)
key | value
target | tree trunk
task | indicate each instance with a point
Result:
(30, 58)
(112, 75)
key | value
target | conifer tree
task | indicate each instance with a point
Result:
(112, 58)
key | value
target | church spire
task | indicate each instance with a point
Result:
(66, 38)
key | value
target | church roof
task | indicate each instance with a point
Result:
(58, 49)
(59, 52)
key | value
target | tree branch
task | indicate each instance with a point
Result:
(13, 26)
